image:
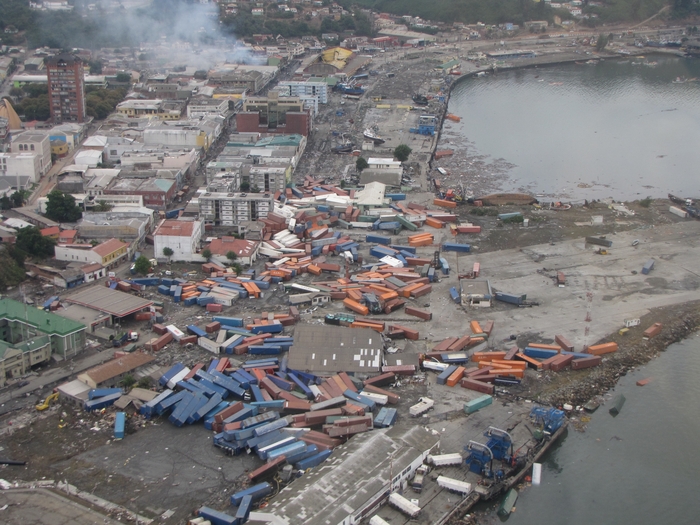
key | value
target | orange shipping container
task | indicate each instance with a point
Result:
(476, 327)
(444, 203)
(434, 223)
(513, 372)
(605, 348)
(545, 347)
(355, 307)
(456, 376)
(487, 356)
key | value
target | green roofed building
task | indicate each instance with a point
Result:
(28, 337)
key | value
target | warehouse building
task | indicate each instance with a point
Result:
(361, 474)
(112, 372)
(327, 350)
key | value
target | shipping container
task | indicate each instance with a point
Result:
(421, 407)
(444, 460)
(216, 517)
(256, 492)
(119, 425)
(477, 404)
(454, 485)
(648, 266)
(404, 505)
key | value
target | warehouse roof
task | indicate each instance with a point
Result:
(332, 349)
(109, 301)
(118, 366)
(353, 475)
(175, 228)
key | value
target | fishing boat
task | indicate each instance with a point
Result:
(679, 200)
(371, 135)
(343, 148)
(421, 100)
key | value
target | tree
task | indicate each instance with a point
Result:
(361, 164)
(5, 203)
(168, 252)
(128, 381)
(231, 255)
(142, 265)
(245, 186)
(61, 207)
(102, 206)
(123, 77)
(31, 242)
(17, 199)
(601, 43)
(402, 152)
(145, 382)
(95, 67)
(206, 253)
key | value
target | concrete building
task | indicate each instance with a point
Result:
(28, 336)
(37, 143)
(250, 81)
(386, 171)
(112, 372)
(156, 108)
(108, 254)
(246, 251)
(292, 88)
(156, 193)
(273, 114)
(129, 226)
(231, 209)
(361, 474)
(66, 80)
(20, 165)
(183, 133)
(207, 107)
(181, 236)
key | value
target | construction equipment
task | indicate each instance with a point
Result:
(480, 459)
(549, 419)
(500, 443)
(437, 263)
(602, 251)
(49, 399)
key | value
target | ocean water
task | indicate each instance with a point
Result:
(624, 129)
(639, 467)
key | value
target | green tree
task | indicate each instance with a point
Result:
(245, 186)
(231, 255)
(31, 242)
(127, 381)
(95, 67)
(61, 207)
(123, 77)
(5, 203)
(402, 152)
(102, 206)
(206, 253)
(168, 252)
(601, 43)
(145, 382)
(142, 265)
(17, 199)
(361, 164)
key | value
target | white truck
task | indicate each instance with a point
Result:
(454, 485)
(424, 404)
(443, 460)
(399, 502)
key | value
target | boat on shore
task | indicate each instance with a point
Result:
(371, 135)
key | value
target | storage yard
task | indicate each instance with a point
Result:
(381, 332)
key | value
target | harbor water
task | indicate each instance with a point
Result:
(622, 128)
(639, 467)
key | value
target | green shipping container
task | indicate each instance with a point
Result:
(477, 404)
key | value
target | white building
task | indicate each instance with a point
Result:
(21, 165)
(207, 107)
(297, 89)
(181, 236)
(88, 157)
(231, 209)
(36, 143)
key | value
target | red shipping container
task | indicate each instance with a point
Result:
(586, 362)
(478, 386)
(416, 312)
(215, 308)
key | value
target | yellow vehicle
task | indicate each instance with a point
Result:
(602, 251)
(52, 398)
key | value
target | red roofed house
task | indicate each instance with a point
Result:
(181, 236)
(52, 232)
(67, 236)
(246, 251)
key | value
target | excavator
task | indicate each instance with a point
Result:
(52, 398)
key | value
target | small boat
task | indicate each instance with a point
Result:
(371, 135)
(453, 118)
(343, 148)
(679, 200)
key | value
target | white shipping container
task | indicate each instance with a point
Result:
(410, 509)
(210, 345)
(454, 485)
(677, 211)
(536, 473)
(376, 520)
(177, 333)
(380, 399)
(443, 460)
(178, 377)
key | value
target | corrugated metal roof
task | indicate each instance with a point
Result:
(109, 301)
(331, 349)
